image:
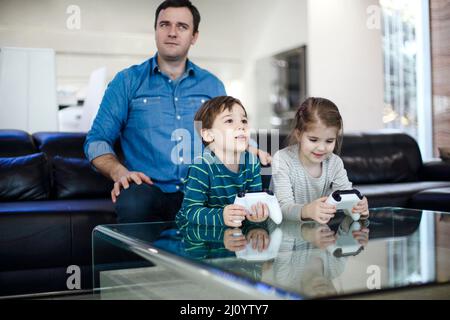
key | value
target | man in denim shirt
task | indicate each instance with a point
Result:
(144, 106)
(151, 108)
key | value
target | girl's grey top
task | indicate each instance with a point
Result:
(294, 186)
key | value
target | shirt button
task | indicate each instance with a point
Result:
(178, 117)
(145, 100)
(182, 179)
(179, 138)
(181, 159)
(203, 100)
(177, 187)
(170, 81)
(176, 99)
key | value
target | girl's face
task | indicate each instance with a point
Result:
(317, 143)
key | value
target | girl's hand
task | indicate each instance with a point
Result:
(319, 211)
(260, 212)
(362, 207)
(233, 215)
(362, 236)
(321, 236)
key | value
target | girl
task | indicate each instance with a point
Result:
(308, 170)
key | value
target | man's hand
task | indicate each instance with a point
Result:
(124, 179)
(110, 167)
(264, 157)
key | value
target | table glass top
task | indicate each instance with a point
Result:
(393, 248)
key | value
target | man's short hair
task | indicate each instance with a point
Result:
(180, 4)
(208, 112)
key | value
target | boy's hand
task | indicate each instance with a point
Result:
(234, 240)
(264, 157)
(362, 207)
(259, 238)
(319, 211)
(260, 212)
(233, 215)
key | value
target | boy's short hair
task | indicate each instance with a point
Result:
(208, 112)
(180, 4)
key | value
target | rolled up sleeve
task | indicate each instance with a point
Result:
(110, 119)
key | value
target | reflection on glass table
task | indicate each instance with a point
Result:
(393, 248)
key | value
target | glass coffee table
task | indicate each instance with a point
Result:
(394, 248)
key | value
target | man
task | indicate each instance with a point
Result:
(144, 106)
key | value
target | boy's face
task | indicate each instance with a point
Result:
(229, 132)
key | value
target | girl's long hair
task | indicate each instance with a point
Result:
(312, 111)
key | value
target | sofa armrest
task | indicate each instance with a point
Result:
(435, 171)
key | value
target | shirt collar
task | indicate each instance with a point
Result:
(154, 68)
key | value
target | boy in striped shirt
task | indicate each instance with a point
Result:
(224, 169)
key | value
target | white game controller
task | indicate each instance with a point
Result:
(346, 244)
(270, 253)
(346, 200)
(248, 199)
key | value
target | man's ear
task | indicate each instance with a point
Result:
(207, 135)
(194, 38)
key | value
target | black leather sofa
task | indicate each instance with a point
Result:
(51, 199)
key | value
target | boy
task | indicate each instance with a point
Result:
(224, 169)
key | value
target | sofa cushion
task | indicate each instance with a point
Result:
(75, 179)
(24, 178)
(381, 158)
(66, 144)
(435, 171)
(396, 194)
(26, 281)
(432, 199)
(31, 240)
(88, 206)
(15, 143)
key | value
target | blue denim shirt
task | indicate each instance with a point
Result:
(144, 108)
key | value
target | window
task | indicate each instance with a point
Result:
(407, 75)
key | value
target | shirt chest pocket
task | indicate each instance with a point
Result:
(145, 112)
(196, 101)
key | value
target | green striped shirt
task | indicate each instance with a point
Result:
(210, 186)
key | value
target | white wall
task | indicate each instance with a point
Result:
(345, 60)
(269, 27)
(235, 35)
(113, 33)
(104, 39)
